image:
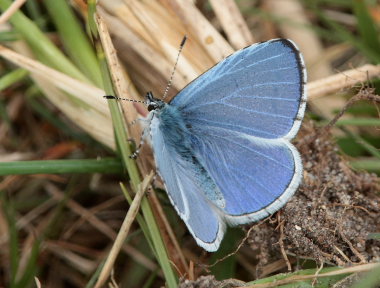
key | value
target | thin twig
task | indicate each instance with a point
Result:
(316, 274)
(281, 242)
(353, 249)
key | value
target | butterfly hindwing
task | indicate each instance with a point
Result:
(256, 177)
(185, 192)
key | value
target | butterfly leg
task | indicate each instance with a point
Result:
(153, 185)
(144, 134)
(154, 180)
(139, 119)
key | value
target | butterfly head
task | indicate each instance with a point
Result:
(153, 103)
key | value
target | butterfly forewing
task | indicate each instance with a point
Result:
(258, 91)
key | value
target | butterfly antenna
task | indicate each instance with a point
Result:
(175, 66)
(125, 99)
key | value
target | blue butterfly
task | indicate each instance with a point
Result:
(222, 145)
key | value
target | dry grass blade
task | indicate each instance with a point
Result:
(153, 60)
(342, 80)
(85, 106)
(217, 47)
(294, 21)
(60, 80)
(293, 27)
(233, 23)
(121, 81)
(11, 10)
(124, 230)
(101, 226)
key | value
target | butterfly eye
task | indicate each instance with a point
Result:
(152, 106)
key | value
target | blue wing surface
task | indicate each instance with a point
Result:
(257, 91)
(255, 176)
(201, 217)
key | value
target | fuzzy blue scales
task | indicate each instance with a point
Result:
(179, 141)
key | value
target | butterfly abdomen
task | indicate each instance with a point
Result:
(177, 137)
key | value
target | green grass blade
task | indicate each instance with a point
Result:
(341, 33)
(367, 146)
(36, 14)
(76, 42)
(9, 36)
(369, 280)
(106, 165)
(226, 268)
(41, 45)
(125, 151)
(372, 165)
(355, 122)
(323, 282)
(374, 236)
(12, 77)
(14, 256)
(27, 279)
(366, 26)
(91, 283)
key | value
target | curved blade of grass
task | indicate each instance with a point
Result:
(227, 267)
(125, 151)
(341, 33)
(18, 280)
(107, 165)
(12, 77)
(355, 122)
(326, 277)
(370, 148)
(368, 165)
(80, 101)
(41, 45)
(6, 36)
(36, 14)
(74, 39)
(374, 235)
(31, 267)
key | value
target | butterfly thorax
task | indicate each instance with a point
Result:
(178, 138)
(175, 132)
